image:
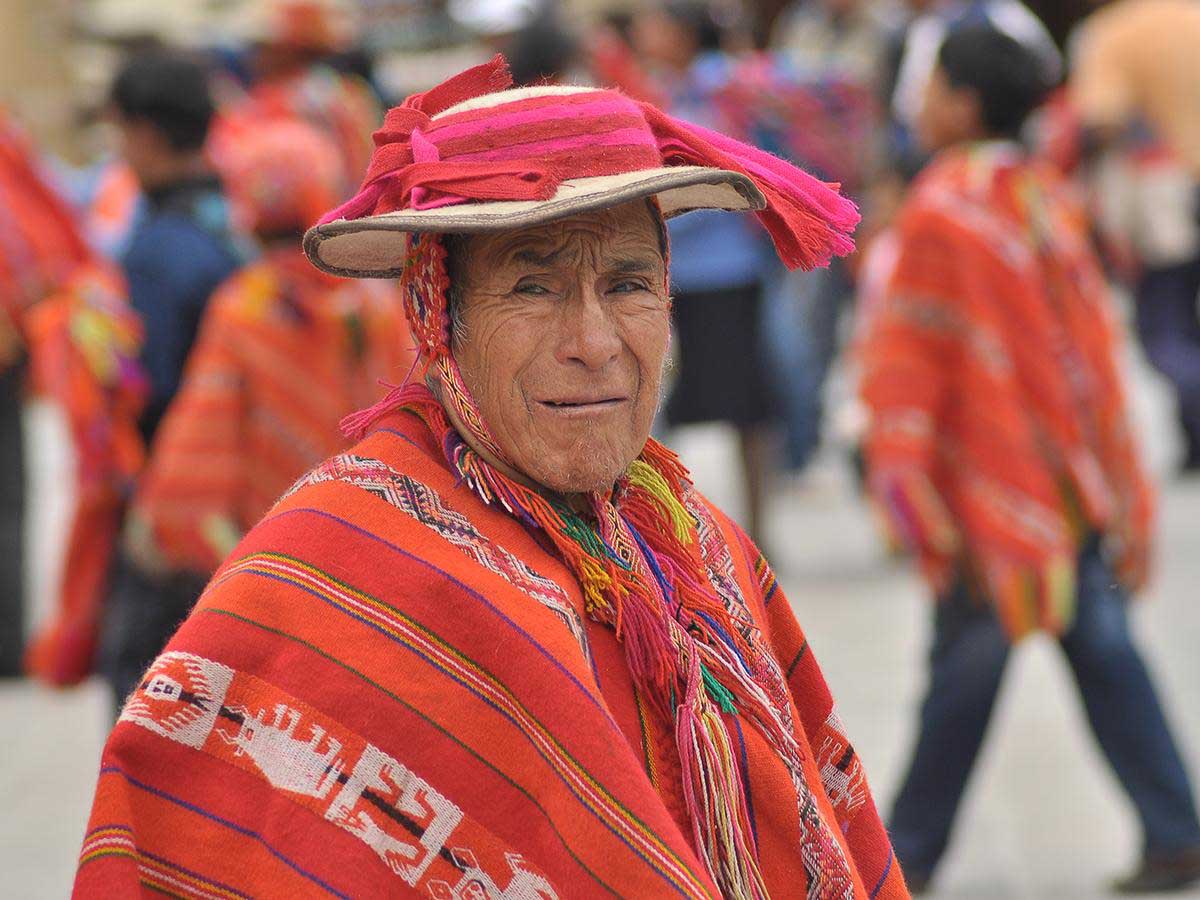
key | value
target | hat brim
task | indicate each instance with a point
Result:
(373, 247)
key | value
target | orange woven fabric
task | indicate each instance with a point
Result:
(392, 688)
(67, 311)
(282, 353)
(999, 432)
(340, 106)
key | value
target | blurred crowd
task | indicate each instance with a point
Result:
(159, 295)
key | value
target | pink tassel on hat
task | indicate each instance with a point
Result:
(808, 220)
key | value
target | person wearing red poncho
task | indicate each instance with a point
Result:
(68, 334)
(291, 44)
(283, 351)
(1000, 448)
(501, 647)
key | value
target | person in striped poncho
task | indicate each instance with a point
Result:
(1001, 449)
(501, 647)
(283, 351)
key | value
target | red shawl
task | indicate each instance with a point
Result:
(68, 311)
(999, 434)
(392, 688)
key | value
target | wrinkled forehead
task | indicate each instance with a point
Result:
(634, 230)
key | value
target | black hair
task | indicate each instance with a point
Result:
(1006, 76)
(699, 20)
(542, 51)
(168, 90)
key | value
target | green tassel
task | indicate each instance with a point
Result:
(719, 694)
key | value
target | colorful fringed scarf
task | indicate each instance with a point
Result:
(999, 431)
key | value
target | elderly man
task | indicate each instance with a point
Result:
(501, 647)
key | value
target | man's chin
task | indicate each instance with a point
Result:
(581, 482)
(582, 473)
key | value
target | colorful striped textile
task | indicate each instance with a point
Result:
(67, 312)
(283, 352)
(340, 106)
(40, 245)
(391, 688)
(999, 435)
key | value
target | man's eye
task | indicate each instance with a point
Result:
(530, 288)
(629, 287)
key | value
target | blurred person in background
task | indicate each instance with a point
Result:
(1000, 449)
(284, 352)
(913, 56)
(543, 51)
(291, 45)
(182, 245)
(831, 55)
(68, 335)
(1136, 70)
(720, 263)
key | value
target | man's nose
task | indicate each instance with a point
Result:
(589, 333)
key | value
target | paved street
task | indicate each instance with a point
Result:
(1043, 819)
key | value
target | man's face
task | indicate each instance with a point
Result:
(562, 338)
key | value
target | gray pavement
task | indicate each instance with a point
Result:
(1043, 818)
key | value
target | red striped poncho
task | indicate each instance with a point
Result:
(392, 689)
(283, 352)
(999, 434)
(67, 311)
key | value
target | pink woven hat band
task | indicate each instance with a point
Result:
(473, 155)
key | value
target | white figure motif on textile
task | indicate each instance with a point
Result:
(289, 763)
(476, 884)
(841, 770)
(400, 806)
(180, 697)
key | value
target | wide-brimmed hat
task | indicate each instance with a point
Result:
(474, 155)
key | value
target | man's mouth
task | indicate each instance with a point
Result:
(583, 404)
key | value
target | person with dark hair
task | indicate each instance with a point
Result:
(183, 245)
(544, 51)
(180, 248)
(914, 50)
(1000, 449)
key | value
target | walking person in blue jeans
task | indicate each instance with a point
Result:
(966, 663)
(1000, 449)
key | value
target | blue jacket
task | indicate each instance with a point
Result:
(712, 250)
(180, 248)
